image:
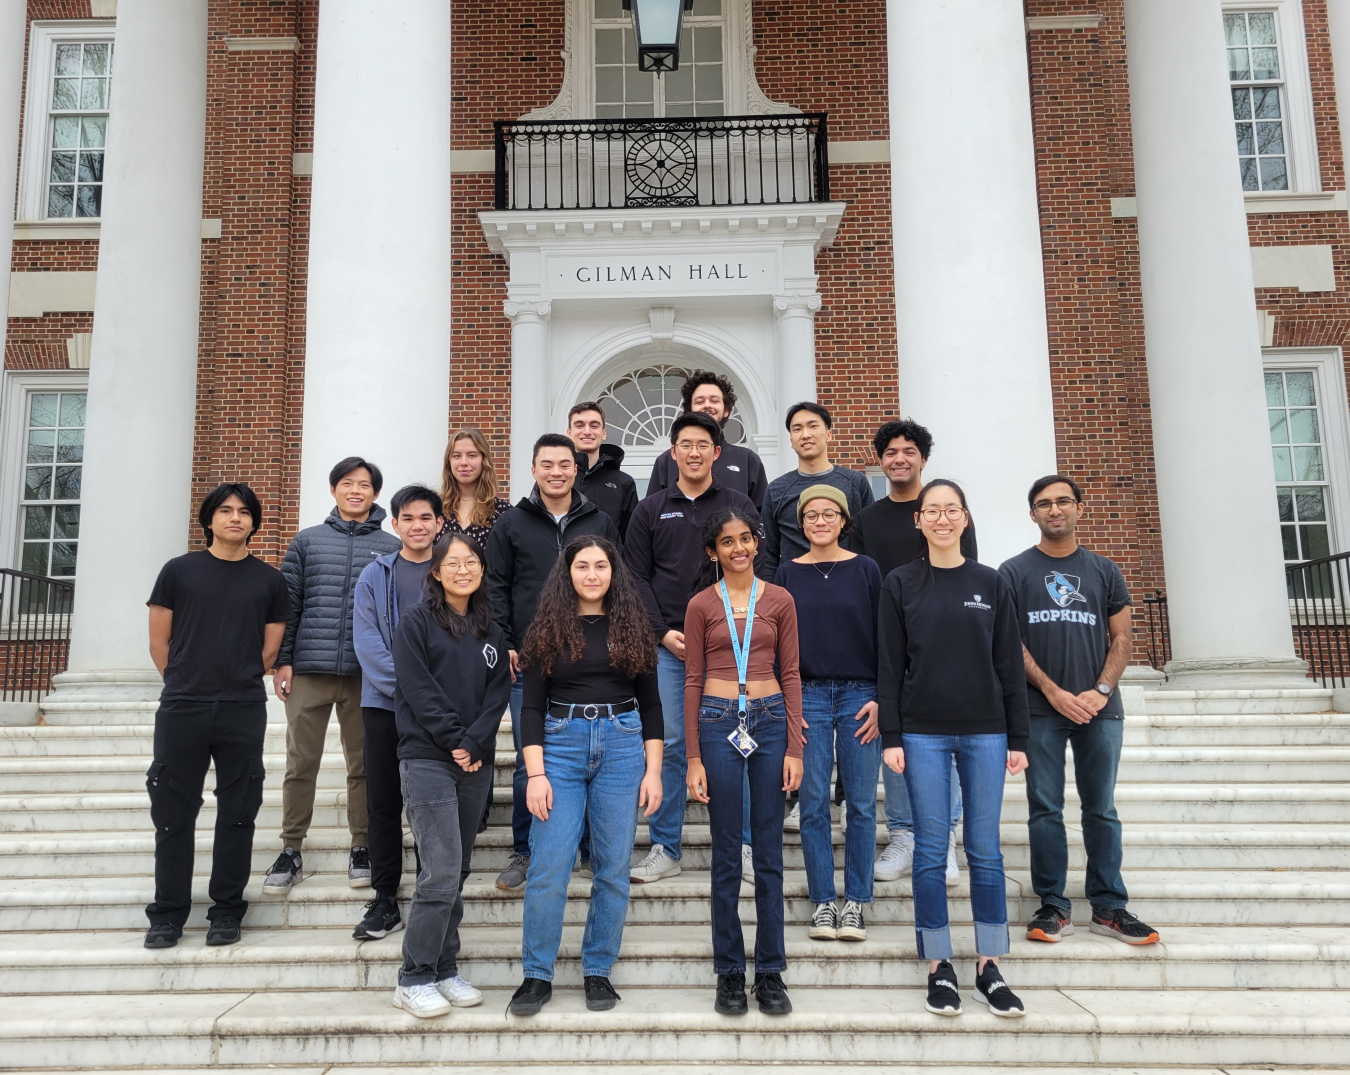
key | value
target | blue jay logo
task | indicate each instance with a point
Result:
(1063, 589)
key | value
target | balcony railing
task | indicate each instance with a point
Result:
(626, 164)
(1319, 608)
(1159, 630)
(34, 633)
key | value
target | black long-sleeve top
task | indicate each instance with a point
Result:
(950, 655)
(449, 693)
(589, 681)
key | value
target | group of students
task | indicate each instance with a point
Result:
(724, 638)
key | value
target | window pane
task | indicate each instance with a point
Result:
(1308, 464)
(608, 111)
(35, 558)
(609, 46)
(1242, 104)
(1265, 63)
(1279, 428)
(63, 168)
(40, 445)
(1284, 500)
(609, 83)
(1289, 536)
(68, 483)
(1266, 102)
(37, 522)
(1284, 470)
(42, 410)
(60, 201)
(65, 132)
(37, 483)
(66, 93)
(609, 9)
(707, 7)
(639, 111)
(709, 108)
(1269, 139)
(95, 59)
(94, 130)
(1238, 67)
(67, 521)
(1315, 542)
(1274, 390)
(94, 93)
(67, 59)
(708, 82)
(89, 201)
(637, 85)
(1249, 180)
(1312, 506)
(708, 44)
(1262, 26)
(70, 446)
(680, 84)
(1303, 427)
(1235, 29)
(679, 110)
(91, 167)
(1246, 140)
(63, 559)
(1273, 174)
(1301, 392)
(72, 409)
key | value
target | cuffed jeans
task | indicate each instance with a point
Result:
(444, 804)
(188, 737)
(899, 817)
(727, 772)
(830, 707)
(1096, 756)
(595, 768)
(981, 762)
(384, 800)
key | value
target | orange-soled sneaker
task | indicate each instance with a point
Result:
(1123, 926)
(1049, 924)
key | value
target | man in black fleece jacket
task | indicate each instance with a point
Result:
(599, 475)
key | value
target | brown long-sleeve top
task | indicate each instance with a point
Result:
(708, 652)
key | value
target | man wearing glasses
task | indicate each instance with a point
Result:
(1074, 612)
(663, 549)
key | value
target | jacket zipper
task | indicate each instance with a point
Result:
(346, 600)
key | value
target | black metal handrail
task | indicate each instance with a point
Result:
(639, 163)
(1319, 608)
(34, 633)
(1159, 630)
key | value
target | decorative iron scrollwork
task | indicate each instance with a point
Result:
(659, 168)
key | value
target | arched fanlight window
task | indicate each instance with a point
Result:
(640, 406)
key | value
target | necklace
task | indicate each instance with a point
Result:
(593, 619)
(832, 565)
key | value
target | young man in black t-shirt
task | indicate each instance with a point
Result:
(216, 621)
(1074, 615)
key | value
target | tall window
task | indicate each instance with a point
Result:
(624, 92)
(50, 500)
(81, 85)
(1256, 73)
(1302, 488)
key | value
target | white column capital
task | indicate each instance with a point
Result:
(805, 305)
(528, 311)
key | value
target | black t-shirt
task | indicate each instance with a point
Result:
(220, 608)
(1063, 605)
(885, 531)
(409, 578)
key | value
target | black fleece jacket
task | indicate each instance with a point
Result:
(449, 693)
(606, 486)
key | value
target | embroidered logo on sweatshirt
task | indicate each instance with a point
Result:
(732, 467)
(490, 654)
(673, 515)
(978, 603)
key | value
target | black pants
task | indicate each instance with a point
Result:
(188, 737)
(384, 800)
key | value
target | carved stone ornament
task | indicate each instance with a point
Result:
(517, 310)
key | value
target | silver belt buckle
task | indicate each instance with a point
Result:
(590, 712)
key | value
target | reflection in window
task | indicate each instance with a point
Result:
(81, 87)
(1302, 490)
(53, 468)
(1258, 99)
(640, 407)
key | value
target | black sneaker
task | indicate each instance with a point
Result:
(772, 994)
(852, 924)
(600, 995)
(1049, 924)
(285, 873)
(532, 995)
(224, 930)
(991, 989)
(381, 919)
(163, 935)
(358, 868)
(731, 995)
(943, 998)
(1123, 926)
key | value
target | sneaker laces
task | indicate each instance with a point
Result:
(653, 856)
(287, 861)
(360, 858)
(824, 913)
(1047, 912)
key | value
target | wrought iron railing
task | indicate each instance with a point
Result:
(1319, 608)
(34, 633)
(627, 163)
(1159, 630)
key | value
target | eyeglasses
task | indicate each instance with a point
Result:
(471, 564)
(829, 515)
(1064, 503)
(932, 515)
(695, 445)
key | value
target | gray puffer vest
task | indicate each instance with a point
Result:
(321, 568)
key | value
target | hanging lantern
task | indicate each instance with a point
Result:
(657, 25)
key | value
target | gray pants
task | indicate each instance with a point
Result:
(444, 805)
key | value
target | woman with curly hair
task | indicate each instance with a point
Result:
(592, 733)
(469, 486)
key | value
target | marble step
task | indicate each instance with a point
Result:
(686, 1069)
(1312, 699)
(1160, 897)
(1077, 1027)
(1189, 957)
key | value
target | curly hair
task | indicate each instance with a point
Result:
(702, 377)
(910, 430)
(557, 625)
(709, 568)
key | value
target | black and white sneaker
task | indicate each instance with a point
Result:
(824, 922)
(380, 920)
(285, 874)
(358, 867)
(772, 994)
(1123, 926)
(852, 925)
(1049, 924)
(991, 989)
(943, 997)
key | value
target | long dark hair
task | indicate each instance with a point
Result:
(477, 618)
(923, 495)
(556, 624)
(709, 569)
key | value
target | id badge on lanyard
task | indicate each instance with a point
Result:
(741, 739)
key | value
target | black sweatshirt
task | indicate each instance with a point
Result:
(590, 681)
(448, 693)
(950, 655)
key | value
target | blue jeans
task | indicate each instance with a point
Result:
(667, 824)
(520, 814)
(727, 772)
(981, 762)
(898, 815)
(444, 805)
(595, 768)
(830, 706)
(1096, 756)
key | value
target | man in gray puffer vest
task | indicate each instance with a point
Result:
(317, 667)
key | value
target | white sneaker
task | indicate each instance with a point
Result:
(793, 822)
(654, 867)
(458, 992)
(747, 864)
(953, 870)
(897, 858)
(843, 817)
(423, 1001)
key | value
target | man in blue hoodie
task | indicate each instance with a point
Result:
(388, 585)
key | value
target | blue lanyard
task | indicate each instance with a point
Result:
(741, 649)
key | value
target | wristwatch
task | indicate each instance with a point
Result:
(1105, 689)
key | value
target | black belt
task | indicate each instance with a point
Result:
(591, 711)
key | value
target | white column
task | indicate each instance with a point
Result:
(969, 278)
(1338, 27)
(529, 387)
(795, 342)
(377, 350)
(137, 484)
(13, 27)
(1216, 482)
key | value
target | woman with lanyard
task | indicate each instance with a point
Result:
(740, 723)
(592, 732)
(837, 594)
(951, 684)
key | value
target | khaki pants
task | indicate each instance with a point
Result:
(312, 698)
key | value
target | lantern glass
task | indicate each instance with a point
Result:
(657, 25)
